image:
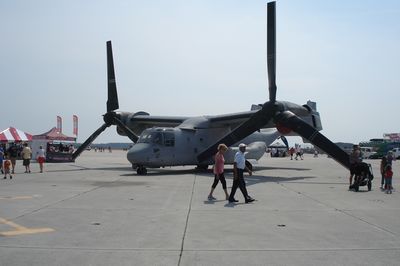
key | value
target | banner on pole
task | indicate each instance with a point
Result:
(75, 125)
(59, 124)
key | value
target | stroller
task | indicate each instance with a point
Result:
(363, 176)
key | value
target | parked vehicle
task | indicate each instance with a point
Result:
(396, 153)
(367, 152)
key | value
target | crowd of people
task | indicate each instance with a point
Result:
(239, 167)
(8, 158)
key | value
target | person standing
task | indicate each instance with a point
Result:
(41, 158)
(355, 159)
(239, 166)
(13, 154)
(26, 157)
(389, 158)
(383, 169)
(388, 179)
(219, 171)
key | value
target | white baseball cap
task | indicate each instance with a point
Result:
(241, 145)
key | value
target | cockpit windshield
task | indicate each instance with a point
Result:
(166, 138)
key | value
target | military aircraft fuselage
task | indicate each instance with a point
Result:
(160, 147)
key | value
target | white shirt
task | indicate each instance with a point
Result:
(240, 160)
(41, 153)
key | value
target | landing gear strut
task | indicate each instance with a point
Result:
(141, 170)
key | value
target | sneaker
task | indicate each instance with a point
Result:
(5, 177)
(10, 176)
(233, 200)
(211, 198)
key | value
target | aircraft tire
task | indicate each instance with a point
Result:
(141, 170)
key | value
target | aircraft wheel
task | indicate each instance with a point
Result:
(141, 170)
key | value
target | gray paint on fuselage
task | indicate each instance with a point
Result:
(188, 144)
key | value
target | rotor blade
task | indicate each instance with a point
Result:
(254, 123)
(127, 130)
(112, 101)
(271, 50)
(290, 120)
(89, 141)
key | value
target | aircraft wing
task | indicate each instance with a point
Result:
(157, 121)
(232, 120)
(139, 122)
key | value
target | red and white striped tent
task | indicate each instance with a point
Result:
(13, 134)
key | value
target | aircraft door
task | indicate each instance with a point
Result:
(167, 149)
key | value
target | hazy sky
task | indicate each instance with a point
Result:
(199, 57)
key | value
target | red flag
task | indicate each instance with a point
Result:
(59, 124)
(75, 125)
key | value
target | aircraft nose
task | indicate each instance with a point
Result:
(137, 154)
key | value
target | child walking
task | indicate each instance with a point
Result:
(388, 179)
(7, 167)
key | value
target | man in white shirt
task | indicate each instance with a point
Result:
(239, 166)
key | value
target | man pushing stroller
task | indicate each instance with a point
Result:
(361, 171)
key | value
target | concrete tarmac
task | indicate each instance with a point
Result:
(97, 211)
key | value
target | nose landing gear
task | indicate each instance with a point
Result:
(140, 169)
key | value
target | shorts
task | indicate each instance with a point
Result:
(13, 160)
(41, 159)
(353, 169)
(26, 162)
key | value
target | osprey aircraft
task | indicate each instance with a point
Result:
(161, 141)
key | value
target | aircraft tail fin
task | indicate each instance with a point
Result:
(314, 119)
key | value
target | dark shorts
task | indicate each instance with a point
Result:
(26, 162)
